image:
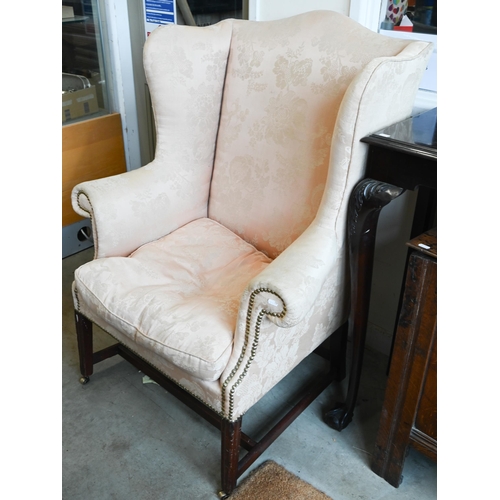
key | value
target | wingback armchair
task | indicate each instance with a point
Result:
(222, 264)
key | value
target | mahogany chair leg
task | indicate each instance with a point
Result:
(231, 439)
(85, 346)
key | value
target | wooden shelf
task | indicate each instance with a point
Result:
(91, 149)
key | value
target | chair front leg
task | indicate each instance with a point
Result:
(85, 346)
(231, 439)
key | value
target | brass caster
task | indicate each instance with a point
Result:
(223, 495)
(84, 380)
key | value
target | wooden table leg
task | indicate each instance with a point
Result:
(367, 199)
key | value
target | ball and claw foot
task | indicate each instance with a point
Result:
(338, 418)
(84, 380)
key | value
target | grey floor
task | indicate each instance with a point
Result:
(124, 438)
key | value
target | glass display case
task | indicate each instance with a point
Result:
(92, 129)
(415, 20)
(416, 16)
(423, 15)
(207, 12)
(84, 90)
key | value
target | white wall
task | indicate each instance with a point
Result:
(269, 10)
(366, 12)
(120, 74)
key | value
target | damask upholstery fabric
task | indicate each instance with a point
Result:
(185, 68)
(177, 296)
(284, 86)
(235, 235)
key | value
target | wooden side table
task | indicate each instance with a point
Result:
(409, 412)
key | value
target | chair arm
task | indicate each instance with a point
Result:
(134, 208)
(285, 293)
(296, 276)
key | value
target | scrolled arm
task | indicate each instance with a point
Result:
(134, 208)
(294, 279)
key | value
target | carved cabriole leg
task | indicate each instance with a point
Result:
(367, 199)
(231, 439)
(85, 346)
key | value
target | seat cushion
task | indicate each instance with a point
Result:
(177, 296)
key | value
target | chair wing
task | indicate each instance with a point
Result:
(185, 68)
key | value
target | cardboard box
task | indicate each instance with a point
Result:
(79, 103)
(95, 79)
(67, 12)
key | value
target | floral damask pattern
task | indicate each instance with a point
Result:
(281, 99)
(185, 68)
(284, 121)
(177, 296)
(259, 127)
(290, 70)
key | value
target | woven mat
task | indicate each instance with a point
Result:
(272, 481)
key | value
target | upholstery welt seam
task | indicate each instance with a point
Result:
(219, 121)
(77, 298)
(383, 62)
(94, 227)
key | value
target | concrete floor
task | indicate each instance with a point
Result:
(126, 439)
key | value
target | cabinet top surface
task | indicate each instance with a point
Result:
(417, 134)
(425, 243)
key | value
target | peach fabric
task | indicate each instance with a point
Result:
(285, 83)
(185, 69)
(237, 231)
(177, 296)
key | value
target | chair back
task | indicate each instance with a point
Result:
(284, 86)
(247, 112)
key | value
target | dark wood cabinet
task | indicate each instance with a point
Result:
(409, 412)
(401, 156)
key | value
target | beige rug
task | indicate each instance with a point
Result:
(271, 481)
